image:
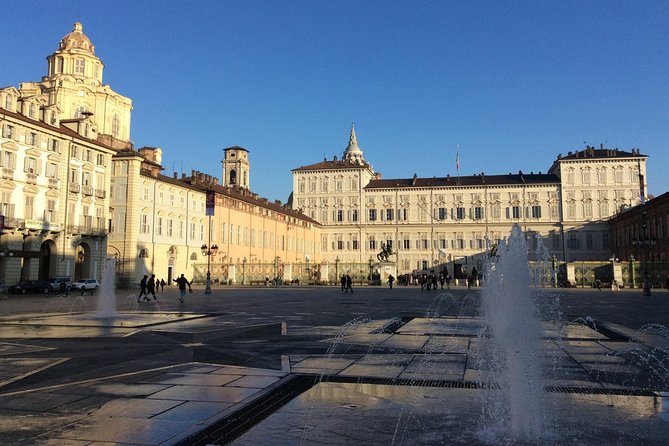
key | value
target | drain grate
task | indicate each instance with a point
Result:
(236, 424)
(406, 382)
(477, 385)
(599, 391)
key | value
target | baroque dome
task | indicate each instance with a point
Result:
(77, 40)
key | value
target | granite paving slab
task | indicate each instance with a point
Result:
(374, 371)
(193, 411)
(405, 342)
(122, 430)
(195, 379)
(254, 381)
(205, 393)
(135, 407)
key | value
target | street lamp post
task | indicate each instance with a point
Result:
(645, 243)
(371, 265)
(208, 251)
(555, 270)
(243, 270)
(337, 269)
(632, 273)
(306, 267)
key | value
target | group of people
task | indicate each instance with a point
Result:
(149, 286)
(346, 283)
(433, 281)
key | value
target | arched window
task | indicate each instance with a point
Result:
(116, 125)
(79, 111)
(60, 63)
(233, 177)
(143, 254)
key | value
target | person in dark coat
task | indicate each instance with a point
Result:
(151, 287)
(391, 279)
(182, 283)
(142, 289)
(162, 285)
(349, 284)
(343, 283)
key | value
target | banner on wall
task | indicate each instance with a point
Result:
(211, 203)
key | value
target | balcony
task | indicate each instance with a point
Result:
(88, 190)
(31, 178)
(7, 173)
(86, 230)
(75, 188)
(100, 193)
(54, 183)
(17, 223)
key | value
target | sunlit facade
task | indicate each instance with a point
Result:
(454, 220)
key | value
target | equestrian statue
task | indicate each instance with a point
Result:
(386, 251)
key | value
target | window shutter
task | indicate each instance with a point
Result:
(39, 167)
(507, 212)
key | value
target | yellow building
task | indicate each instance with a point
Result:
(452, 221)
(160, 224)
(58, 138)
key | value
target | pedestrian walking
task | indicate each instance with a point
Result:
(151, 287)
(343, 283)
(348, 284)
(142, 289)
(182, 283)
(62, 289)
(391, 279)
(162, 285)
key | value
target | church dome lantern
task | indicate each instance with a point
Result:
(76, 40)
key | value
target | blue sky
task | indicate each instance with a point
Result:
(513, 83)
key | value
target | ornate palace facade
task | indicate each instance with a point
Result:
(453, 220)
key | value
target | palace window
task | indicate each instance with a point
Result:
(442, 213)
(116, 125)
(536, 211)
(354, 215)
(478, 213)
(144, 224)
(372, 215)
(460, 213)
(79, 66)
(50, 212)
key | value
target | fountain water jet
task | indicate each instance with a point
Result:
(107, 295)
(511, 336)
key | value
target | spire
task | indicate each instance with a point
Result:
(353, 154)
(352, 141)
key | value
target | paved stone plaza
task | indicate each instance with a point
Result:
(211, 371)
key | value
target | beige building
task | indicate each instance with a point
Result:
(160, 224)
(56, 149)
(454, 220)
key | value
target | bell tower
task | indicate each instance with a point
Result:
(236, 167)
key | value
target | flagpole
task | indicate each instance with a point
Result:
(457, 162)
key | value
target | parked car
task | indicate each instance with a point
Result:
(56, 281)
(31, 286)
(3, 289)
(86, 285)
